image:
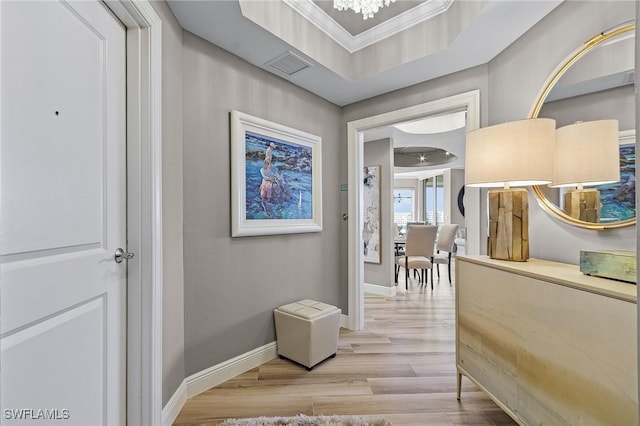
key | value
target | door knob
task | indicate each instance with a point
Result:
(122, 255)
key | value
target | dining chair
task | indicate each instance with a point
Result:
(398, 253)
(419, 251)
(415, 223)
(398, 249)
(445, 247)
(408, 225)
(399, 246)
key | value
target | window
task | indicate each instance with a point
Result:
(434, 200)
(403, 206)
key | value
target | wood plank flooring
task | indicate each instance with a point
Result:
(401, 365)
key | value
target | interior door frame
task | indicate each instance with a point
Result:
(355, 141)
(144, 209)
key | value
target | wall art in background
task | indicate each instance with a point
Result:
(371, 234)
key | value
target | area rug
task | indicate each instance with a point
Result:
(302, 420)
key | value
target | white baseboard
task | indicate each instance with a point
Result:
(344, 321)
(213, 376)
(172, 409)
(379, 289)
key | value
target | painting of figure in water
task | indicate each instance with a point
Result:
(278, 176)
(619, 199)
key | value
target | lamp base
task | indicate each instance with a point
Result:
(583, 204)
(508, 224)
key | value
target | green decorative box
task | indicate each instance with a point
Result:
(616, 265)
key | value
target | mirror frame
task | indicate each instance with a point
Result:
(544, 202)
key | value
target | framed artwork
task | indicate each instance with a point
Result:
(371, 234)
(618, 200)
(276, 178)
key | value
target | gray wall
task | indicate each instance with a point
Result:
(515, 78)
(380, 153)
(232, 285)
(173, 370)
(615, 103)
(449, 85)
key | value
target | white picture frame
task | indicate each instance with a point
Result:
(276, 178)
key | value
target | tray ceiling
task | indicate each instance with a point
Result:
(459, 35)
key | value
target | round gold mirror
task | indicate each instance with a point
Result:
(596, 82)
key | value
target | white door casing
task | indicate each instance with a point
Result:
(63, 213)
(470, 101)
(144, 209)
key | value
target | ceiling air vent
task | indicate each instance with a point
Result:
(288, 63)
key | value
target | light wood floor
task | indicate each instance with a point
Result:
(402, 366)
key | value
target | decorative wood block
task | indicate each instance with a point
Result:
(508, 224)
(583, 204)
(617, 265)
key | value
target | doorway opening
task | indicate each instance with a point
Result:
(469, 101)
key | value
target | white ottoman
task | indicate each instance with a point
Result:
(307, 331)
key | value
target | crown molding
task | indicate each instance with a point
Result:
(314, 14)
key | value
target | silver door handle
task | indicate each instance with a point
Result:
(122, 255)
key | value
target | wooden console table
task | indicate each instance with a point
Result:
(549, 345)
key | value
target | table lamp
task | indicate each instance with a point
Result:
(587, 153)
(517, 153)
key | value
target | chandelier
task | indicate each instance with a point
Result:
(366, 7)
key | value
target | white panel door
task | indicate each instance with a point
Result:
(63, 214)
